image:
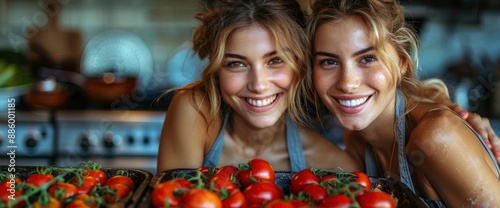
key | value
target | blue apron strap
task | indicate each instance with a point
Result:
(295, 152)
(404, 168)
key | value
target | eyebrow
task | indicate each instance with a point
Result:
(232, 55)
(336, 56)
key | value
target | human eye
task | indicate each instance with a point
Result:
(234, 64)
(328, 62)
(368, 59)
(275, 60)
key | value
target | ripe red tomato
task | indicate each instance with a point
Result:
(315, 192)
(5, 200)
(300, 179)
(255, 170)
(86, 184)
(120, 179)
(11, 182)
(236, 199)
(83, 201)
(259, 192)
(279, 203)
(62, 190)
(375, 199)
(329, 178)
(79, 203)
(298, 203)
(220, 182)
(362, 179)
(207, 172)
(118, 192)
(197, 198)
(39, 179)
(336, 201)
(170, 192)
(227, 171)
(99, 175)
(52, 203)
(183, 182)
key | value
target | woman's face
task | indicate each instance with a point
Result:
(253, 79)
(348, 76)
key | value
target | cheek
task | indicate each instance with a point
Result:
(381, 78)
(229, 85)
(284, 79)
(321, 82)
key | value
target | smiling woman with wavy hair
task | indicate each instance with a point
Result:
(247, 103)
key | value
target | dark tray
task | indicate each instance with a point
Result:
(141, 180)
(405, 197)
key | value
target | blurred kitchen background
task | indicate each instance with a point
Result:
(87, 75)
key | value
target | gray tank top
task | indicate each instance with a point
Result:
(294, 145)
(404, 168)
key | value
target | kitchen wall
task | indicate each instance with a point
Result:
(465, 52)
(163, 25)
(444, 42)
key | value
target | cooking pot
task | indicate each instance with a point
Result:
(103, 88)
(109, 87)
(47, 93)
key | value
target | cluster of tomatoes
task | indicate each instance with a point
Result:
(252, 184)
(85, 187)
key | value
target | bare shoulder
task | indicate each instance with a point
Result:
(188, 100)
(322, 153)
(439, 133)
(189, 110)
(444, 150)
(438, 124)
(186, 134)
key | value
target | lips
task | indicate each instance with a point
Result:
(261, 102)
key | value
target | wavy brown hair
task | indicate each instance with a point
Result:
(282, 18)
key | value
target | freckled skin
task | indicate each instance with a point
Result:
(448, 161)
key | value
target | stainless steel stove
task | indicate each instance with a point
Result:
(28, 137)
(124, 138)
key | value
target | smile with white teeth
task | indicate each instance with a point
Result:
(263, 102)
(353, 103)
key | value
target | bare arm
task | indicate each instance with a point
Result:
(436, 90)
(184, 135)
(454, 161)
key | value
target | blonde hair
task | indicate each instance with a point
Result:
(282, 18)
(387, 22)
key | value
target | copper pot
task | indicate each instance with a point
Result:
(109, 87)
(46, 93)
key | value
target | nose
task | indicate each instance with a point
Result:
(349, 78)
(258, 80)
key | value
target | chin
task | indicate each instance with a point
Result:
(353, 126)
(262, 122)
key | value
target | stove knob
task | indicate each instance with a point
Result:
(85, 144)
(31, 141)
(108, 140)
(43, 133)
(130, 140)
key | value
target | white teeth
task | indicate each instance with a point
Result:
(353, 103)
(261, 103)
